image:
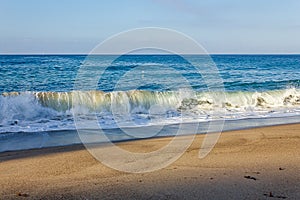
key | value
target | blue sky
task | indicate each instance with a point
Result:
(221, 26)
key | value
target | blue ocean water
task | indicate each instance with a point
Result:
(58, 72)
(145, 90)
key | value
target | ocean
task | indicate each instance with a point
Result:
(138, 91)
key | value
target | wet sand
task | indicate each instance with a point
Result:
(260, 163)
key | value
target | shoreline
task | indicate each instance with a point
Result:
(254, 163)
(50, 139)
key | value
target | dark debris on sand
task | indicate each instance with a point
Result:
(270, 194)
(250, 177)
(22, 194)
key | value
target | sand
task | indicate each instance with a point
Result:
(260, 163)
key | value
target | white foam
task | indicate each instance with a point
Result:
(48, 111)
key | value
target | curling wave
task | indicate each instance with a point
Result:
(98, 100)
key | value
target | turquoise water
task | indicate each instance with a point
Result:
(143, 91)
(239, 72)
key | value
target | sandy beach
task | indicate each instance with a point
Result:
(260, 163)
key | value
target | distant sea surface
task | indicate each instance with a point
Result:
(144, 90)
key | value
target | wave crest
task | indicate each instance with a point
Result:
(102, 101)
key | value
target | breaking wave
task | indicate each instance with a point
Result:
(39, 111)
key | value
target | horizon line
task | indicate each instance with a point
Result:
(107, 54)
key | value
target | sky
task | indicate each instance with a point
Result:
(220, 26)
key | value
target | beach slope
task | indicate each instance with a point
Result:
(260, 163)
